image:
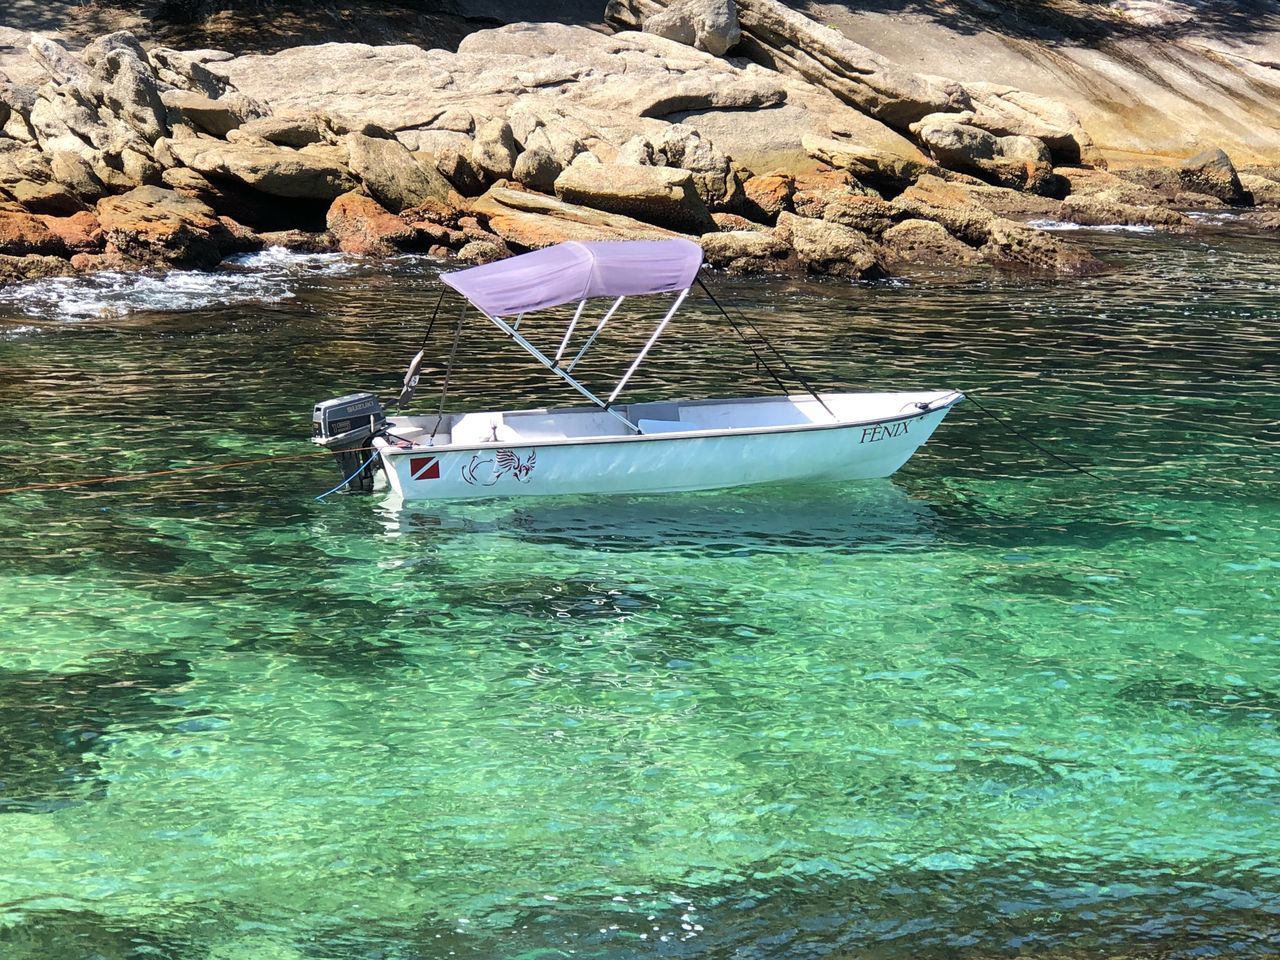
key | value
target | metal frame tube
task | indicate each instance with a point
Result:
(595, 333)
(542, 358)
(648, 346)
(569, 330)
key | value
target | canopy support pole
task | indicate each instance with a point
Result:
(551, 365)
(595, 333)
(648, 346)
(577, 315)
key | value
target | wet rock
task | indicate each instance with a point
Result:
(1104, 209)
(537, 169)
(829, 248)
(364, 227)
(217, 117)
(766, 196)
(482, 251)
(710, 25)
(1212, 173)
(530, 220)
(747, 251)
(494, 151)
(926, 243)
(1015, 246)
(664, 196)
(155, 225)
(35, 267)
(392, 174)
(316, 172)
(304, 241)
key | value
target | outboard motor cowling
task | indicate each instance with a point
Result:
(347, 426)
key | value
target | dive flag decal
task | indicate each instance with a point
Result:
(424, 468)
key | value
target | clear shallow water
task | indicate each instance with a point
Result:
(991, 707)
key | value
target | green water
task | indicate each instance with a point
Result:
(989, 708)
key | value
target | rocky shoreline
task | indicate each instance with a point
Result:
(777, 142)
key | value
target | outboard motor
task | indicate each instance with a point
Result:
(347, 426)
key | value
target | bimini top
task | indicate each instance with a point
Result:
(573, 271)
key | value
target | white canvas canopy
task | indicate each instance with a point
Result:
(573, 271)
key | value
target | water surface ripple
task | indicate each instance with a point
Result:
(990, 708)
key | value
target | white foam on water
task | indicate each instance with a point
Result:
(1066, 225)
(265, 277)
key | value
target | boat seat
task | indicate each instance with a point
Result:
(667, 426)
(473, 428)
(653, 411)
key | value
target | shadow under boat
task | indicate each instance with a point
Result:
(867, 516)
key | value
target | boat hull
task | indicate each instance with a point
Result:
(705, 460)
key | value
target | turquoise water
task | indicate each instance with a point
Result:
(989, 708)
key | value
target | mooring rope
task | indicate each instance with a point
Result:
(372, 457)
(1022, 436)
(204, 468)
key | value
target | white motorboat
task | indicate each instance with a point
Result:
(608, 447)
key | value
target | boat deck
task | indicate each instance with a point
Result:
(551, 425)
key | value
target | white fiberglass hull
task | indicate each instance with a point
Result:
(664, 462)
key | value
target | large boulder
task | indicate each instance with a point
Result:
(392, 174)
(662, 195)
(1014, 161)
(1265, 191)
(537, 169)
(1006, 111)
(292, 130)
(747, 251)
(830, 248)
(315, 172)
(154, 225)
(128, 89)
(883, 170)
(1212, 173)
(26, 176)
(530, 220)
(23, 233)
(710, 25)
(766, 196)
(495, 150)
(217, 117)
(363, 227)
